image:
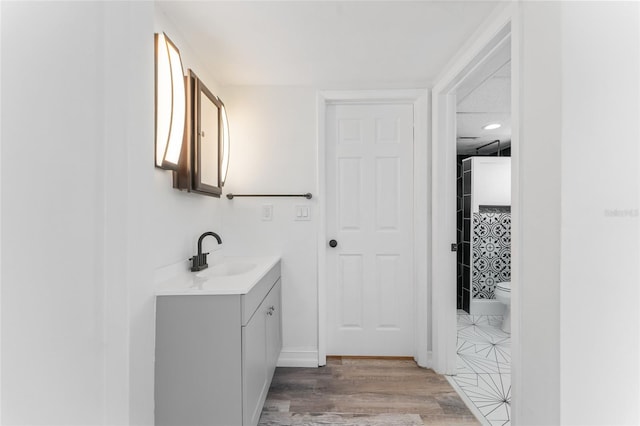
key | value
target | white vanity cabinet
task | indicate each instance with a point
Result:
(216, 354)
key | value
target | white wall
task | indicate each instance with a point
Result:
(52, 214)
(127, 116)
(538, 375)
(600, 324)
(273, 131)
(578, 174)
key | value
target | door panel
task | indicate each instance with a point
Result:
(369, 212)
(349, 190)
(387, 290)
(350, 286)
(386, 195)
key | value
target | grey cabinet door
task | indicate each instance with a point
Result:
(254, 366)
(198, 361)
(274, 328)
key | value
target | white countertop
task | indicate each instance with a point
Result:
(214, 280)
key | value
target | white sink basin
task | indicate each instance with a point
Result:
(234, 275)
(227, 269)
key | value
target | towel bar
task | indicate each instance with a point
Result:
(307, 195)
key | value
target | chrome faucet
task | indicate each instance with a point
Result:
(199, 261)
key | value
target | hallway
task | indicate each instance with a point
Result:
(363, 392)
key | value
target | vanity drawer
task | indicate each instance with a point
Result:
(250, 301)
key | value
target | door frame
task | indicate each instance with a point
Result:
(421, 212)
(504, 22)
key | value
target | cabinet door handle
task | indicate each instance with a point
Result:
(272, 308)
(269, 313)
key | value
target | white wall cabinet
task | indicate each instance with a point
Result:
(490, 182)
(216, 355)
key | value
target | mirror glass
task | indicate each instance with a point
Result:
(208, 140)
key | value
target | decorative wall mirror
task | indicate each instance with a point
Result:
(200, 162)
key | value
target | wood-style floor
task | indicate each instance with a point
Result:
(352, 391)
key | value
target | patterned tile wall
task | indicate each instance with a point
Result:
(491, 250)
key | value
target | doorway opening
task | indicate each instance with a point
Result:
(483, 233)
(483, 183)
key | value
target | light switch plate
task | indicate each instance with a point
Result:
(302, 213)
(267, 212)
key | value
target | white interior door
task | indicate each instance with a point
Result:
(369, 178)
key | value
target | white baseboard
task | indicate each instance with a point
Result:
(426, 361)
(291, 357)
(309, 358)
(429, 363)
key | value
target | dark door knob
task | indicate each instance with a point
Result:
(333, 243)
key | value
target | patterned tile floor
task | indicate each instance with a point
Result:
(484, 368)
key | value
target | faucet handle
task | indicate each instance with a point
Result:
(199, 262)
(195, 256)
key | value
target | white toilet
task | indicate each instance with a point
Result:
(503, 295)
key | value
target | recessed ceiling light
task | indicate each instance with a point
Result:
(492, 126)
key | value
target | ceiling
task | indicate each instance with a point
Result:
(485, 97)
(331, 44)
